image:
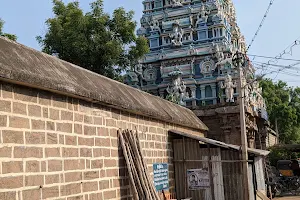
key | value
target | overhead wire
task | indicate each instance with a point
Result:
(260, 25)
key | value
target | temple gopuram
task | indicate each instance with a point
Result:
(192, 44)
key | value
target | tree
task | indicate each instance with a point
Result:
(7, 35)
(94, 40)
(283, 105)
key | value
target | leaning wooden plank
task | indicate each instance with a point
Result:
(138, 160)
(135, 193)
(262, 195)
(145, 168)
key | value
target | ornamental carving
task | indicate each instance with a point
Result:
(202, 17)
(177, 89)
(154, 25)
(177, 35)
(217, 52)
(150, 74)
(176, 3)
(229, 86)
(207, 66)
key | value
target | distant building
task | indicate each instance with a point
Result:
(190, 63)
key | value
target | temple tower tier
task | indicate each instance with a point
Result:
(192, 43)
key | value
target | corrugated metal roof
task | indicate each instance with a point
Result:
(221, 144)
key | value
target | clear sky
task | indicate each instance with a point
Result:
(26, 19)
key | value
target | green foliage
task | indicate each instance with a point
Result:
(94, 40)
(281, 154)
(283, 105)
(7, 35)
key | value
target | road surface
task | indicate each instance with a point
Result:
(288, 198)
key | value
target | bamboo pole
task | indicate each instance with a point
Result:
(141, 183)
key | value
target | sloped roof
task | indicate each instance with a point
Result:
(258, 152)
(27, 66)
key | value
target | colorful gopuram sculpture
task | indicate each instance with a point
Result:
(192, 44)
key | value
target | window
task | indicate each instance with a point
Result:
(210, 34)
(221, 32)
(208, 91)
(154, 43)
(202, 36)
(198, 92)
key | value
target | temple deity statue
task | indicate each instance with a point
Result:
(154, 25)
(229, 86)
(177, 35)
(203, 15)
(217, 52)
(177, 89)
(138, 69)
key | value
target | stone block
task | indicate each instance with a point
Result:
(34, 180)
(50, 192)
(52, 138)
(85, 141)
(32, 166)
(19, 122)
(31, 194)
(66, 115)
(8, 195)
(5, 152)
(12, 167)
(54, 114)
(71, 140)
(85, 152)
(90, 175)
(70, 152)
(54, 165)
(64, 127)
(25, 94)
(51, 179)
(11, 182)
(34, 110)
(90, 130)
(110, 194)
(28, 152)
(52, 152)
(35, 137)
(19, 108)
(73, 177)
(38, 124)
(15, 137)
(76, 164)
(70, 189)
(90, 186)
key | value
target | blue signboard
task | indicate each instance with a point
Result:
(161, 176)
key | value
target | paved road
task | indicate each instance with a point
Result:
(288, 198)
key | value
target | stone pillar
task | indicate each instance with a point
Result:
(202, 87)
(214, 92)
(193, 89)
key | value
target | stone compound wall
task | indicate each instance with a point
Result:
(56, 147)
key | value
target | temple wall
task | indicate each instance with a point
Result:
(56, 147)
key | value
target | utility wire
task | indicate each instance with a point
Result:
(278, 58)
(261, 24)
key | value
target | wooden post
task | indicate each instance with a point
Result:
(211, 174)
(184, 167)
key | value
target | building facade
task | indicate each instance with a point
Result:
(192, 47)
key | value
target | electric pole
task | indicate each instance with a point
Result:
(239, 62)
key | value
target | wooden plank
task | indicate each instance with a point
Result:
(262, 195)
